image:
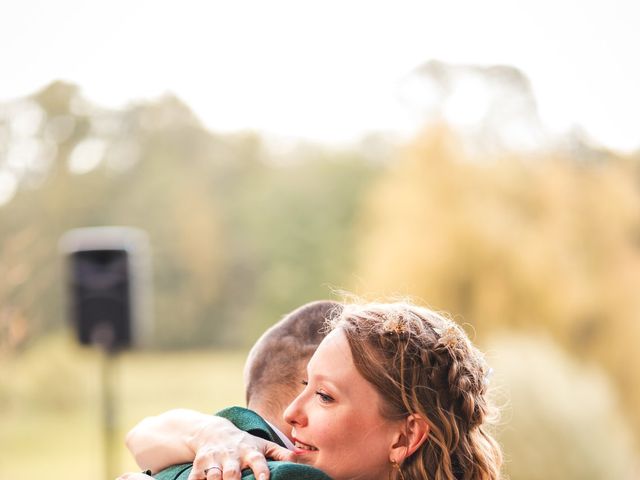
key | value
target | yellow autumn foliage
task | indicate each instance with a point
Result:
(544, 241)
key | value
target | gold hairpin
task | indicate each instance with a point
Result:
(395, 326)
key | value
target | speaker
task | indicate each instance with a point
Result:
(106, 283)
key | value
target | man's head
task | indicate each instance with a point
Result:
(276, 364)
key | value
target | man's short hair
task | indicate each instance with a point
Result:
(275, 365)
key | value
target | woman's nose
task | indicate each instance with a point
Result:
(294, 413)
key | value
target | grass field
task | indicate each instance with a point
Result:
(51, 409)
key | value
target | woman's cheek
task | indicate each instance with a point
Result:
(327, 431)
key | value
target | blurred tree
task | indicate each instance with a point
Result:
(561, 420)
(14, 272)
(239, 236)
(493, 105)
(507, 242)
(299, 224)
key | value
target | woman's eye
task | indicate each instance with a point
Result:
(324, 398)
(304, 382)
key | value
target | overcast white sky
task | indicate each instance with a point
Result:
(327, 70)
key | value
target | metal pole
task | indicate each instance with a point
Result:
(109, 413)
(104, 338)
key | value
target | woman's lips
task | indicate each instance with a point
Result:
(302, 448)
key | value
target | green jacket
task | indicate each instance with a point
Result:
(252, 423)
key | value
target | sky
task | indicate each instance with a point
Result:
(327, 70)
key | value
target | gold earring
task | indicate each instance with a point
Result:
(398, 467)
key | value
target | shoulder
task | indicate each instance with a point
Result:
(250, 422)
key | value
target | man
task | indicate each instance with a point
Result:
(273, 376)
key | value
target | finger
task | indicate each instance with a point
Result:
(231, 470)
(195, 474)
(205, 458)
(276, 452)
(214, 472)
(258, 464)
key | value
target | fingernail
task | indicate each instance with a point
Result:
(262, 477)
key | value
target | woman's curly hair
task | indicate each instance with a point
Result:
(424, 364)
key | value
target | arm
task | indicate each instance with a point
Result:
(181, 436)
(168, 439)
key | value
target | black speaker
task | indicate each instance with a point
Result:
(100, 297)
(105, 285)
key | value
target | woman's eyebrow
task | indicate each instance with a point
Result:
(320, 377)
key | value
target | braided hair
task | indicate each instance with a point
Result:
(424, 364)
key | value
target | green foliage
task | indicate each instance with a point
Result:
(238, 236)
(51, 418)
(51, 376)
(241, 235)
(561, 419)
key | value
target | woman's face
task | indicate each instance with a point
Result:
(336, 422)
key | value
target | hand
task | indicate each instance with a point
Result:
(160, 441)
(225, 457)
(133, 476)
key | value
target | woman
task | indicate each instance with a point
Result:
(395, 391)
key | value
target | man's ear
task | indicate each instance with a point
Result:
(413, 434)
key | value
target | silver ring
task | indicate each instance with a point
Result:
(215, 467)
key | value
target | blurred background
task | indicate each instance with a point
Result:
(482, 157)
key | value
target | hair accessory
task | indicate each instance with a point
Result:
(395, 325)
(448, 336)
